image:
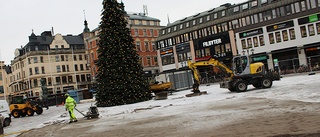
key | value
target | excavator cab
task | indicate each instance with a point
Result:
(242, 65)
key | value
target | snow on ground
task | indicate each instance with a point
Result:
(300, 87)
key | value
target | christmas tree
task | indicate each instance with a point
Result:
(120, 77)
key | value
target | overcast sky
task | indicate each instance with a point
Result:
(19, 18)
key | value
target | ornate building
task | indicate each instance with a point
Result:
(59, 60)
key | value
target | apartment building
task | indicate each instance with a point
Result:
(144, 31)
(281, 33)
(59, 60)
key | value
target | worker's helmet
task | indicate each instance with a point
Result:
(66, 95)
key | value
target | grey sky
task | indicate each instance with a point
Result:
(18, 17)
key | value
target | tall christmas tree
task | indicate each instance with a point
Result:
(120, 75)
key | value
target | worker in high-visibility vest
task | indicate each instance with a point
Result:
(70, 104)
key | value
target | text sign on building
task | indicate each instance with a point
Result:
(309, 19)
(251, 33)
(313, 18)
(166, 52)
(280, 26)
(212, 42)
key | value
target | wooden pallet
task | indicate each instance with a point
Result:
(196, 94)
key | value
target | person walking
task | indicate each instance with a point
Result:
(70, 105)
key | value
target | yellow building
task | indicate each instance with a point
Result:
(58, 60)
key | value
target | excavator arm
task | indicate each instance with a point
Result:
(211, 62)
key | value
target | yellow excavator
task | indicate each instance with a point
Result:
(244, 73)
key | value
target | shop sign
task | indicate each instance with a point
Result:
(259, 58)
(251, 33)
(313, 49)
(166, 52)
(309, 19)
(313, 18)
(212, 42)
(280, 26)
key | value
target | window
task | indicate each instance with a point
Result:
(318, 28)
(64, 79)
(56, 46)
(36, 70)
(140, 22)
(80, 57)
(68, 68)
(63, 68)
(148, 61)
(147, 46)
(58, 68)
(245, 6)
(75, 57)
(278, 37)
(138, 46)
(249, 43)
(66, 57)
(297, 6)
(42, 69)
(151, 32)
(62, 57)
(83, 78)
(30, 71)
(41, 59)
(208, 17)
(200, 20)
(70, 79)
(215, 15)
(285, 35)
(136, 32)
(57, 58)
(194, 22)
(228, 47)
(236, 9)
(292, 34)
(181, 26)
(155, 61)
(264, 1)
(144, 32)
(78, 78)
(35, 59)
(303, 31)
(76, 67)
(187, 24)
(271, 38)
(255, 42)
(58, 80)
(254, 3)
(303, 5)
(169, 30)
(217, 49)
(223, 13)
(313, 4)
(311, 30)
(243, 43)
(35, 82)
(81, 67)
(154, 47)
(62, 46)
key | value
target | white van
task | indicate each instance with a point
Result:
(5, 113)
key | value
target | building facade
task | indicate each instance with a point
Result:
(280, 33)
(60, 61)
(144, 31)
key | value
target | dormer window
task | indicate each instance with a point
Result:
(245, 6)
(215, 15)
(174, 28)
(223, 13)
(208, 17)
(200, 20)
(187, 24)
(181, 26)
(236, 9)
(169, 30)
(194, 22)
(56, 47)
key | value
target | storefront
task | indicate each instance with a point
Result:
(288, 59)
